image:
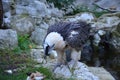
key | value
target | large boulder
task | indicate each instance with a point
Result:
(37, 55)
(78, 71)
(38, 36)
(113, 5)
(23, 24)
(8, 39)
(37, 9)
(85, 16)
(101, 73)
(108, 23)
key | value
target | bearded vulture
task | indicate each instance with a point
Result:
(64, 35)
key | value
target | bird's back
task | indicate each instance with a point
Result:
(78, 34)
(74, 33)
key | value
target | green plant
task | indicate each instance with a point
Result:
(24, 44)
(61, 3)
(9, 60)
(21, 75)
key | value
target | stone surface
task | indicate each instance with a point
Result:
(38, 36)
(78, 71)
(86, 16)
(63, 72)
(23, 24)
(37, 55)
(37, 9)
(106, 22)
(101, 73)
(6, 5)
(113, 5)
(8, 39)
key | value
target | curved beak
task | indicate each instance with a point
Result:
(47, 49)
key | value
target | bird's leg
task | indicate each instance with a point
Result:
(75, 56)
(61, 58)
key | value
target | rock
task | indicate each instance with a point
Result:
(78, 71)
(101, 32)
(37, 9)
(96, 39)
(81, 3)
(37, 55)
(38, 36)
(101, 73)
(23, 24)
(62, 72)
(44, 25)
(40, 7)
(107, 23)
(22, 10)
(113, 5)
(116, 40)
(55, 12)
(7, 12)
(88, 17)
(111, 14)
(53, 20)
(23, 2)
(6, 19)
(8, 39)
(6, 5)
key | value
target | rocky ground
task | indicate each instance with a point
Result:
(33, 17)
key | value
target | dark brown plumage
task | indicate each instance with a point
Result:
(66, 28)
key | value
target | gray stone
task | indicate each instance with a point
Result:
(113, 5)
(83, 3)
(38, 36)
(96, 39)
(6, 5)
(21, 9)
(24, 2)
(106, 22)
(55, 12)
(44, 25)
(6, 19)
(37, 9)
(37, 55)
(101, 73)
(8, 39)
(77, 71)
(23, 24)
(86, 16)
(62, 72)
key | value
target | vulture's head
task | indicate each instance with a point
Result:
(53, 41)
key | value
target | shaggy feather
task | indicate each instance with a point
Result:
(74, 33)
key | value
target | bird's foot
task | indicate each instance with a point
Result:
(59, 64)
(72, 64)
